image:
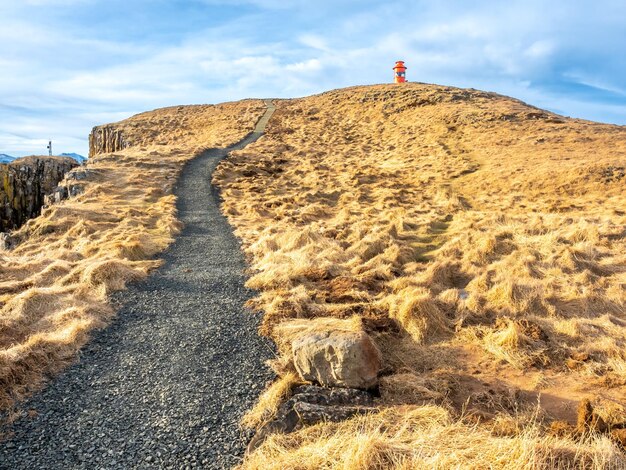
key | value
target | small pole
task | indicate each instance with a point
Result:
(49, 148)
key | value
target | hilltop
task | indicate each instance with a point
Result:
(480, 242)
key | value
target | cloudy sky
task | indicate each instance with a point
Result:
(67, 65)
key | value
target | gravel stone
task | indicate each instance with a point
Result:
(166, 383)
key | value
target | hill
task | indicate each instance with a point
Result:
(479, 241)
(4, 158)
(55, 282)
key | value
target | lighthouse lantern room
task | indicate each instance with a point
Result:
(399, 69)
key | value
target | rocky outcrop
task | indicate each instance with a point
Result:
(310, 405)
(5, 241)
(336, 358)
(73, 185)
(106, 139)
(25, 183)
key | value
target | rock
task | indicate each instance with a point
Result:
(333, 396)
(310, 405)
(106, 139)
(24, 183)
(60, 194)
(337, 358)
(78, 175)
(5, 241)
(309, 414)
(76, 189)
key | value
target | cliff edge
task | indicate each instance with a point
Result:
(25, 183)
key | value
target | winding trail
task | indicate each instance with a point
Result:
(164, 386)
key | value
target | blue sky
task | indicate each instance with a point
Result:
(67, 65)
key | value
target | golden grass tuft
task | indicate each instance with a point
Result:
(427, 437)
(417, 311)
(410, 388)
(270, 400)
(512, 342)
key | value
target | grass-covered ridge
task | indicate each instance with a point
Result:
(482, 242)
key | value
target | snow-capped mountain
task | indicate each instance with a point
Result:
(4, 158)
(75, 156)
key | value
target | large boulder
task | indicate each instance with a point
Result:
(336, 358)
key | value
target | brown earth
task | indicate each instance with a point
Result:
(481, 241)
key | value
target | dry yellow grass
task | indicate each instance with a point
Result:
(54, 284)
(427, 437)
(482, 241)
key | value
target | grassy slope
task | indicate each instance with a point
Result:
(54, 285)
(482, 242)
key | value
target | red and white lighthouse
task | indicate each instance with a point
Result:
(399, 69)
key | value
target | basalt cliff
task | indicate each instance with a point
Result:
(106, 139)
(24, 185)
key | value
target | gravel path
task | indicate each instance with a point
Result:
(164, 386)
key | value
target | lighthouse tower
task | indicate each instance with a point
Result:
(399, 69)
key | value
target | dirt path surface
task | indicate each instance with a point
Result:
(164, 386)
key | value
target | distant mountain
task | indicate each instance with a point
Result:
(4, 158)
(75, 156)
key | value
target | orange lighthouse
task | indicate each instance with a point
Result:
(400, 72)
